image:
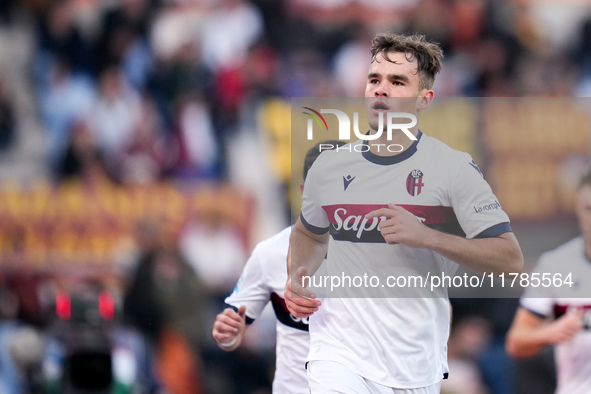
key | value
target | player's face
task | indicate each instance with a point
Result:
(390, 80)
(583, 211)
(398, 77)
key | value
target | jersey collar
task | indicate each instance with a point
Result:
(388, 160)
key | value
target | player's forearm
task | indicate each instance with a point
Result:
(500, 254)
(306, 250)
(526, 341)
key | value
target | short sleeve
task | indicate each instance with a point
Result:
(478, 210)
(541, 307)
(251, 290)
(313, 217)
(539, 300)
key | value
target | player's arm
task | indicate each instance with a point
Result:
(289, 259)
(495, 254)
(251, 291)
(529, 332)
(499, 254)
(307, 251)
(229, 328)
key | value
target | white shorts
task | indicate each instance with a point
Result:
(329, 377)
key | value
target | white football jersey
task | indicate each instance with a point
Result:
(263, 280)
(573, 358)
(400, 339)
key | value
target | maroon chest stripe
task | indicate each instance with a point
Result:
(348, 222)
(561, 309)
(284, 316)
(431, 214)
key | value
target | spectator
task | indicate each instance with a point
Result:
(180, 295)
(10, 380)
(199, 151)
(81, 153)
(468, 339)
(58, 37)
(7, 119)
(146, 157)
(231, 28)
(64, 99)
(115, 114)
(164, 301)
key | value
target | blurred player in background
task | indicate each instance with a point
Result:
(263, 280)
(561, 316)
(392, 345)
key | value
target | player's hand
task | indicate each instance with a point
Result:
(300, 301)
(228, 326)
(401, 226)
(565, 327)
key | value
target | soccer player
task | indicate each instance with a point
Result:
(263, 281)
(561, 316)
(414, 190)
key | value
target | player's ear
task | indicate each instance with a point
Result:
(425, 99)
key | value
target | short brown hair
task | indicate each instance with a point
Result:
(415, 46)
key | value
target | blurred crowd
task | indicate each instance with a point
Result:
(149, 89)
(143, 91)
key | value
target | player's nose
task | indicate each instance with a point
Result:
(381, 91)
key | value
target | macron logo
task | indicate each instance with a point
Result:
(347, 181)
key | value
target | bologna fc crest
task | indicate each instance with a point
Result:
(414, 182)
